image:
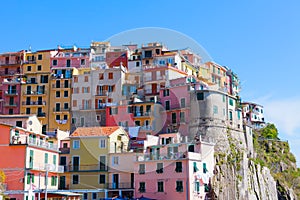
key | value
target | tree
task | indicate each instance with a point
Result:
(269, 131)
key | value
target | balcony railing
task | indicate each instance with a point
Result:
(25, 139)
(150, 157)
(146, 128)
(11, 104)
(41, 114)
(140, 114)
(48, 167)
(61, 85)
(87, 168)
(11, 62)
(61, 109)
(119, 185)
(11, 92)
(31, 103)
(64, 150)
(31, 92)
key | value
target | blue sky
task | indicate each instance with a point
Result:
(259, 40)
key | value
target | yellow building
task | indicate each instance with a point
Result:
(35, 98)
(89, 153)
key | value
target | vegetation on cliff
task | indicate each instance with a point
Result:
(275, 154)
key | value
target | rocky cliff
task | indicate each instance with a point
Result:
(250, 166)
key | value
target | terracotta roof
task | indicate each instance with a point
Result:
(94, 131)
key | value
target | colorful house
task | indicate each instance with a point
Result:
(89, 153)
(173, 167)
(36, 168)
(10, 79)
(253, 115)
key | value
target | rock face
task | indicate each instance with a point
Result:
(236, 175)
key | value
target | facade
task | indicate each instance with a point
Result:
(37, 161)
(90, 148)
(253, 115)
(11, 79)
(36, 86)
(174, 168)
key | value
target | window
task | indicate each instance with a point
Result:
(159, 168)
(65, 117)
(174, 118)
(110, 75)
(29, 68)
(200, 96)
(66, 106)
(231, 102)
(179, 186)
(30, 178)
(75, 179)
(197, 187)
(215, 109)
(114, 111)
(137, 64)
(94, 195)
(54, 159)
(160, 186)
(54, 62)
(68, 63)
(204, 168)
(44, 79)
(39, 67)
(101, 77)
(142, 187)
(27, 110)
(85, 196)
(57, 94)
(11, 111)
(182, 117)
(102, 143)
(53, 180)
(76, 144)
(82, 62)
(178, 167)
(182, 102)
(103, 163)
(230, 115)
(141, 168)
(223, 97)
(115, 160)
(46, 158)
(167, 105)
(57, 117)
(66, 93)
(102, 179)
(166, 92)
(86, 79)
(195, 168)
(40, 57)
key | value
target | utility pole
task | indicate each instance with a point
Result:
(46, 182)
(39, 194)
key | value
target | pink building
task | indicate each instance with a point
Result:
(34, 161)
(176, 101)
(173, 168)
(10, 78)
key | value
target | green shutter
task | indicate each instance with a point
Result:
(204, 168)
(54, 159)
(28, 178)
(31, 159)
(46, 158)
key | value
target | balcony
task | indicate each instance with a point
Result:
(31, 92)
(87, 168)
(142, 114)
(61, 85)
(153, 157)
(32, 103)
(64, 150)
(11, 92)
(10, 104)
(48, 167)
(61, 109)
(10, 62)
(119, 185)
(85, 107)
(103, 93)
(151, 92)
(25, 139)
(41, 114)
(146, 128)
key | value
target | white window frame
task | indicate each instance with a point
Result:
(115, 160)
(101, 146)
(75, 146)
